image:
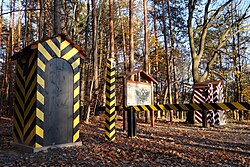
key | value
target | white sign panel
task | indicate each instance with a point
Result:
(138, 93)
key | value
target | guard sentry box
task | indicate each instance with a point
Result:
(47, 93)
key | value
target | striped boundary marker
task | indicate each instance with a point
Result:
(210, 99)
(110, 102)
(199, 98)
(219, 114)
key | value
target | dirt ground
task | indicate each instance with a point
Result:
(166, 144)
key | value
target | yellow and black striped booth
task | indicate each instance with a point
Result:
(47, 93)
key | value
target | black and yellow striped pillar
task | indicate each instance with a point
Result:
(110, 102)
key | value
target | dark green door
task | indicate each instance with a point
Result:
(58, 124)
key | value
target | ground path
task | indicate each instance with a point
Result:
(167, 144)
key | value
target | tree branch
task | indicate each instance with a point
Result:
(215, 54)
(22, 10)
(219, 10)
(204, 30)
(191, 7)
(207, 23)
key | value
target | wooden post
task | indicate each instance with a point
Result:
(125, 123)
(131, 122)
(134, 122)
(138, 76)
(130, 125)
(204, 118)
(152, 115)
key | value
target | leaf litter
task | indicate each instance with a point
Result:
(166, 144)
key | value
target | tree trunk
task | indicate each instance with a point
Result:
(82, 83)
(29, 26)
(1, 51)
(46, 27)
(90, 100)
(87, 29)
(5, 84)
(123, 38)
(41, 23)
(102, 65)
(173, 54)
(8, 70)
(169, 96)
(111, 29)
(87, 67)
(1, 26)
(94, 83)
(25, 23)
(131, 38)
(146, 60)
(238, 74)
(156, 45)
(19, 26)
(75, 34)
(101, 51)
(37, 20)
(94, 48)
(57, 14)
(156, 68)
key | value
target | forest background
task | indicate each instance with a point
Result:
(178, 42)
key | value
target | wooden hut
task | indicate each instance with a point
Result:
(47, 93)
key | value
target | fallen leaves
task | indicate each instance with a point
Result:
(166, 144)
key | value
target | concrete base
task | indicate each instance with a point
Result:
(26, 148)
